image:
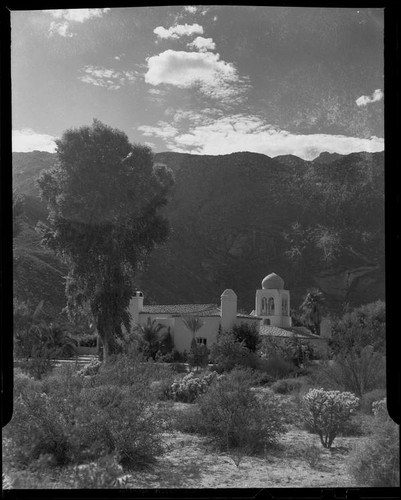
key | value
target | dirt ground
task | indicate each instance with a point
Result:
(191, 463)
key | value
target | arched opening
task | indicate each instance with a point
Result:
(264, 307)
(270, 307)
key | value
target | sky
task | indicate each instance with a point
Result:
(202, 79)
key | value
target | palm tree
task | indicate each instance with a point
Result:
(193, 323)
(312, 307)
(150, 336)
(38, 343)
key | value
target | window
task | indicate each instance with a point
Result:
(266, 322)
(270, 307)
(201, 340)
(264, 306)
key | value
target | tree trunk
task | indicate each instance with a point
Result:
(104, 334)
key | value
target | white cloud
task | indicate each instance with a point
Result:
(178, 31)
(191, 9)
(365, 99)
(61, 29)
(213, 77)
(108, 78)
(66, 16)
(26, 140)
(240, 132)
(77, 15)
(184, 69)
(202, 44)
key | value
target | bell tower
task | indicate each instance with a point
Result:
(272, 302)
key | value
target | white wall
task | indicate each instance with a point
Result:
(183, 336)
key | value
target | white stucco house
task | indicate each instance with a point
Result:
(271, 315)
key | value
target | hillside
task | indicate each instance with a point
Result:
(234, 219)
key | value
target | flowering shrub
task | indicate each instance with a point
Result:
(190, 387)
(369, 398)
(327, 412)
(106, 473)
(92, 368)
(379, 408)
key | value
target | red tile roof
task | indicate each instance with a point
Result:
(299, 332)
(182, 309)
(177, 310)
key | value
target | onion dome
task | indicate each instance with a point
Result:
(271, 281)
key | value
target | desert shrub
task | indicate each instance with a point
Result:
(90, 369)
(227, 353)
(186, 420)
(375, 461)
(40, 426)
(277, 368)
(358, 374)
(73, 423)
(248, 334)
(287, 385)
(131, 369)
(119, 420)
(312, 455)
(232, 414)
(104, 473)
(24, 381)
(358, 425)
(178, 367)
(161, 389)
(188, 388)
(371, 397)
(327, 412)
(292, 350)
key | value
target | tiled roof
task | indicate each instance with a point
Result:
(182, 309)
(299, 332)
(250, 316)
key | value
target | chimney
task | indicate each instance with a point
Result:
(136, 306)
(228, 309)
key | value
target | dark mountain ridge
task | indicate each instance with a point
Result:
(234, 219)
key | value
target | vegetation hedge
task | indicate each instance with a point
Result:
(72, 421)
(375, 461)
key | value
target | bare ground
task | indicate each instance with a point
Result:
(191, 463)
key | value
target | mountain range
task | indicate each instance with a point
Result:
(234, 219)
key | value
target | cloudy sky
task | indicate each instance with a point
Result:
(202, 79)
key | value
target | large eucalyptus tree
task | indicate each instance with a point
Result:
(104, 197)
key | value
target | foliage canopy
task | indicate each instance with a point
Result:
(104, 196)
